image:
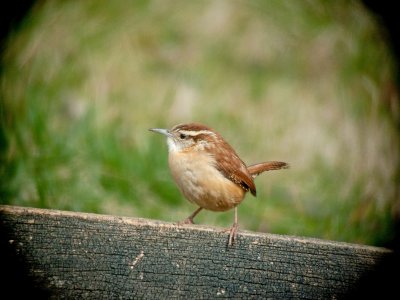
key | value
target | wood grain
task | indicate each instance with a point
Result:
(59, 254)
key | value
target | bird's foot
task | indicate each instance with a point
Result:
(189, 220)
(186, 221)
(233, 233)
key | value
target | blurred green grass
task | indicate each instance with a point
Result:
(310, 83)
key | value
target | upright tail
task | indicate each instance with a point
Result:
(257, 169)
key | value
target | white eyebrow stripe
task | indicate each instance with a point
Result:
(195, 133)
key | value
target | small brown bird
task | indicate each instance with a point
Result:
(208, 171)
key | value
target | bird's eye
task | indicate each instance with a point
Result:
(182, 136)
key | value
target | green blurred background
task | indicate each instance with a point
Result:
(307, 82)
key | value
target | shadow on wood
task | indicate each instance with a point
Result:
(57, 254)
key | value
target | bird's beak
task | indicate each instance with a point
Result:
(162, 131)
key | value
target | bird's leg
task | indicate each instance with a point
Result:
(233, 230)
(189, 220)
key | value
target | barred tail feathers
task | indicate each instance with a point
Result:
(257, 169)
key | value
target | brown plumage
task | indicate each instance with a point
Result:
(257, 169)
(208, 170)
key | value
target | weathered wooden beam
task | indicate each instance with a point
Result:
(59, 254)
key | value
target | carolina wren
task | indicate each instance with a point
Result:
(208, 171)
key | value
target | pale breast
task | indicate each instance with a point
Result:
(200, 182)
